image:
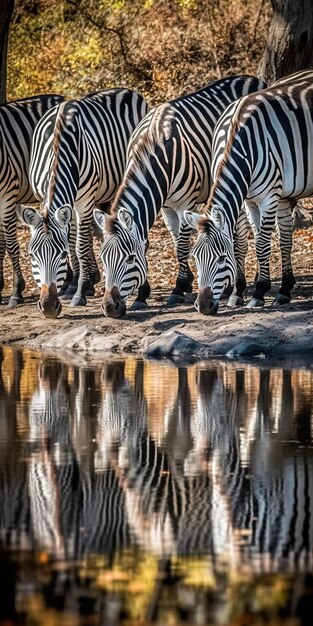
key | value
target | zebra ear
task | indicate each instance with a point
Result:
(63, 215)
(218, 216)
(27, 215)
(100, 218)
(125, 218)
(192, 219)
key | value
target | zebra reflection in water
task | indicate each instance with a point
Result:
(229, 476)
(261, 474)
(53, 474)
(164, 508)
(14, 503)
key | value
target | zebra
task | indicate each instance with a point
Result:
(240, 503)
(266, 163)
(239, 422)
(83, 167)
(17, 123)
(168, 168)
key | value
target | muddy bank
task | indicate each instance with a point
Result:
(169, 332)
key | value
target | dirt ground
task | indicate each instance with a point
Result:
(173, 332)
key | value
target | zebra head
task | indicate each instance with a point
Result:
(48, 249)
(214, 256)
(123, 258)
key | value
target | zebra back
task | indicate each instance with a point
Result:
(169, 153)
(18, 120)
(83, 141)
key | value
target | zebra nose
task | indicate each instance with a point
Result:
(49, 304)
(114, 309)
(112, 304)
(205, 302)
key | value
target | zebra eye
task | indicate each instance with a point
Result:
(221, 259)
(131, 259)
(64, 254)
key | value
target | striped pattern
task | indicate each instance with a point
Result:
(17, 123)
(264, 159)
(49, 263)
(78, 158)
(230, 476)
(168, 167)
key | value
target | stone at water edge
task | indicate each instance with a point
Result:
(173, 344)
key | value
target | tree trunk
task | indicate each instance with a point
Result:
(289, 46)
(6, 11)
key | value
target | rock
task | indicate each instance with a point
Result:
(174, 344)
(249, 348)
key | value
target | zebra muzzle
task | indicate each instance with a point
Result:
(112, 304)
(205, 302)
(49, 304)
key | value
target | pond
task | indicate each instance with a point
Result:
(134, 492)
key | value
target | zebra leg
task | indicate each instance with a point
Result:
(143, 291)
(83, 253)
(9, 227)
(2, 253)
(180, 232)
(93, 266)
(285, 227)
(263, 251)
(240, 249)
(141, 300)
(185, 276)
(70, 284)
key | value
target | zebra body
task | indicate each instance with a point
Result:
(267, 164)
(168, 168)
(17, 123)
(78, 158)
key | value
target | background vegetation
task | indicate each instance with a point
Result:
(163, 48)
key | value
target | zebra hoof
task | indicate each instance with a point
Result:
(281, 299)
(175, 299)
(234, 301)
(78, 301)
(255, 303)
(15, 300)
(138, 306)
(190, 298)
(68, 293)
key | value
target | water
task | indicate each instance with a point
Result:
(137, 493)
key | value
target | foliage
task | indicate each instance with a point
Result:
(163, 48)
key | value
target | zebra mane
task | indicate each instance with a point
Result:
(160, 129)
(57, 134)
(111, 224)
(233, 129)
(45, 218)
(204, 224)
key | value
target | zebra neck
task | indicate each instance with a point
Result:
(229, 192)
(143, 200)
(64, 173)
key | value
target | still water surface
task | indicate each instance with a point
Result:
(134, 493)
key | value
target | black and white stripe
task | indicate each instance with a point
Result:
(17, 123)
(82, 166)
(266, 163)
(168, 168)
(227, 473)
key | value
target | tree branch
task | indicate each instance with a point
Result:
(118, 33)
(257, 22)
